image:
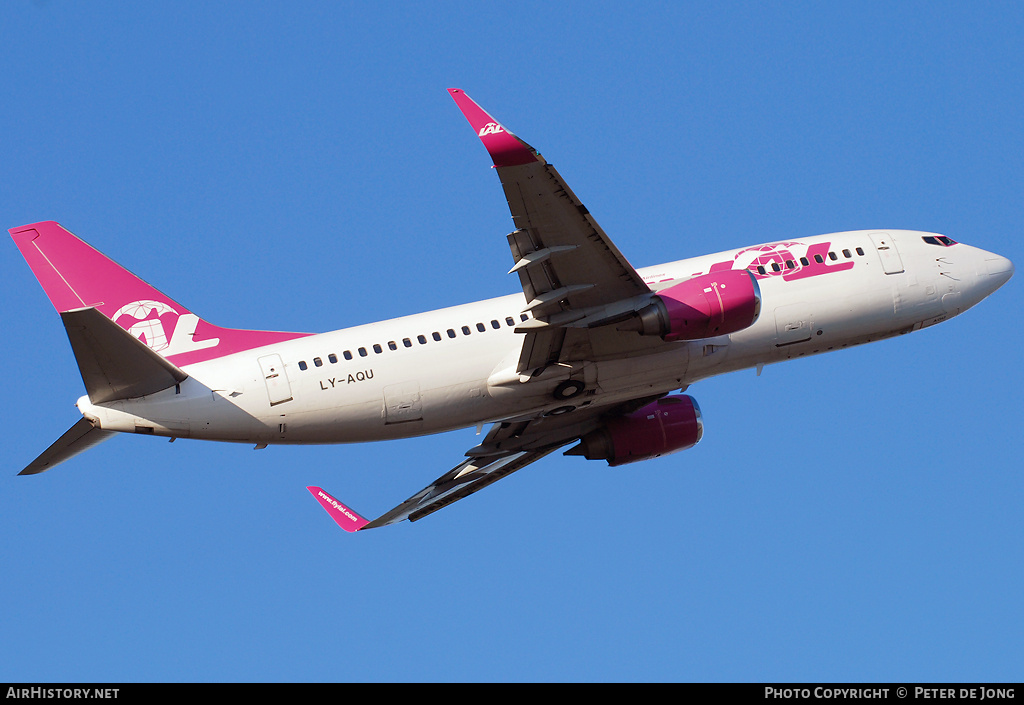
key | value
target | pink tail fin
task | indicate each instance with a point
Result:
(74, 275)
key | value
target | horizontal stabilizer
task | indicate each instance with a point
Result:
(113, 362)
(80, 437)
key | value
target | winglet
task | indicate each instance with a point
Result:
(342, 515)
(504, 147)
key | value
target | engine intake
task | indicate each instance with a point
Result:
(671, 424)
(717, 303)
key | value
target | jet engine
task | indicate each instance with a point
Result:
(670, 424)
(717, 303)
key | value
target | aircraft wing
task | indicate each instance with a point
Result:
(573, 276)
(509, 446)
(464, 479)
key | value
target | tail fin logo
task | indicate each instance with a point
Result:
(161, 327)
(145, 320)
(491, 128)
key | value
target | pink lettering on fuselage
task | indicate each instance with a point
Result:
(781, 259)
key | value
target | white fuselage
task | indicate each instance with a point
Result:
(455, 367)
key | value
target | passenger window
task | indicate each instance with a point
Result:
(348, 354)
(435, 335)
(803, 261)
(465, 330)
(451, 333)
(833, 256)
(392, 345)
(760, 269)
(860, 251)
(495, 325)
(510, 321)
(362, 352)
(790, 264)
(333, 358)
(776, 267)
(377, 348)
(422, 339)
(846, 254)
(481, 327)
(406, 342)
(302, 364)
(523, 317)
(318, 362)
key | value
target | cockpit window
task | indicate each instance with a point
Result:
(940, 240)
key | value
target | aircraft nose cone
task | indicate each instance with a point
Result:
(981, 274)
(997, 269)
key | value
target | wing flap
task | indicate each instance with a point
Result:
(467, 477)
(464, 479)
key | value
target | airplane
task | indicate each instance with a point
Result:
(591, 353)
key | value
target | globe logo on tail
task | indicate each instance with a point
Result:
(146, 322)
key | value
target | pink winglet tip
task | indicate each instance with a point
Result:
(505, 148)
(343, 516)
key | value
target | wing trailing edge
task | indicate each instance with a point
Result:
(467, 477)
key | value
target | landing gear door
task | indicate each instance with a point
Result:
(887, 252)
(278, 388)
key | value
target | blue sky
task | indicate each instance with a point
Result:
(300, 166)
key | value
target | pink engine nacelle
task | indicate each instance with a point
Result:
(671, 424)
(717, 303)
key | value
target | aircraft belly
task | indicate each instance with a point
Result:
(375, 410)
(175, 415)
